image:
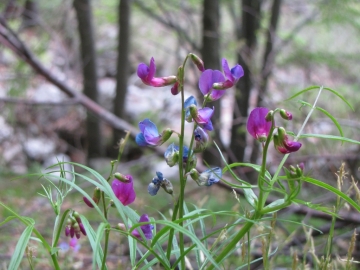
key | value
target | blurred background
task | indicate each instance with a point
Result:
(56, 56)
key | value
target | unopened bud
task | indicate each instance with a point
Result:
(269, 116)
(77, 217)
(77, 230)
(121, 226)
(122, 178)
(167, 186)
(285, 115)
(198, 62)
(175, 89)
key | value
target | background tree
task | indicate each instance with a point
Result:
(123, 65)
(210, 53)
(246, 33)
(88, 59)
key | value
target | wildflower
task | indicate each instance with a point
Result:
(201, 117)
(201, 139)
(159, 181)
(146, 228)
(283, 144)
(197, 61)
(74, 226)
(150, 135)
(175, 89)
(285, 114)
(206, 178)
(206, 81)
(232, 75)
(96, 198)
(146, 74)
(124, 191)
(257, 125)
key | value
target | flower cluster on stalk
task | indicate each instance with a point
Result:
(212, 84)
(259, 126)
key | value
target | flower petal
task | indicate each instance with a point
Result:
(142, 71)
(152, 69)
(140, 140)
(124, 191)
(226, 69)
(204, 115)
(237, 72)
(257, 125)
(205, 81)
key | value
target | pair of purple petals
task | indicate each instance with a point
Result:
(213, 83)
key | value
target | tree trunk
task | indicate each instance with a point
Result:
(211, 56)
(250, 22)
(88, 59)
(122, 63)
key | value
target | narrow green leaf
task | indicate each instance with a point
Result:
(9, 218)
(91, 235)
(99, 234)
(21, 245)
(254, 166)
(325, 88)
(332, 118)
(330, 137)
(333, 190)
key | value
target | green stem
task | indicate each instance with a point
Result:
(244, 230)
(107, 233)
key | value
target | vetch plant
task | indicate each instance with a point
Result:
(184, 240)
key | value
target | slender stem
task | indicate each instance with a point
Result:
(107, 233)
(244, 230)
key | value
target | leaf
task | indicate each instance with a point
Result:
(7, 220)
(330, 137)
(21, 245)
(333, 190)
(332, 118)
(251, 197)
(324, 88)
(91, 235)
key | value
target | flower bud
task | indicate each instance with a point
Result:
(269, 116)
(82, 228)
(197, 61)
(166, 134)
(167, 186)
(285, 115)
(223, 85)
(77, 217)
(123, 178)
(172, 155)
(77, 230)
(121, 227)
(175, 89)
(201, 139)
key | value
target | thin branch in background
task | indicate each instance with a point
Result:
(181, 32)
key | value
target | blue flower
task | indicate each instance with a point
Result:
(150, 135)
(206, 178)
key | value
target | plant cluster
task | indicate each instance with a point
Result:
(163, 241)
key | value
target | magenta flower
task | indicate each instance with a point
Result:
(124, 191)
(146, 228)
(146, 74)
(283, 144)
(150, 135)
(257, 125)
(206, 81)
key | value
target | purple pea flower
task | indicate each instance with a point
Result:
(146, 74)
(150, 135)
(257, 125)
(146, 228)
(200, 116)
(283, 144)
(206, 81)
(232, 76)
(124, 191)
